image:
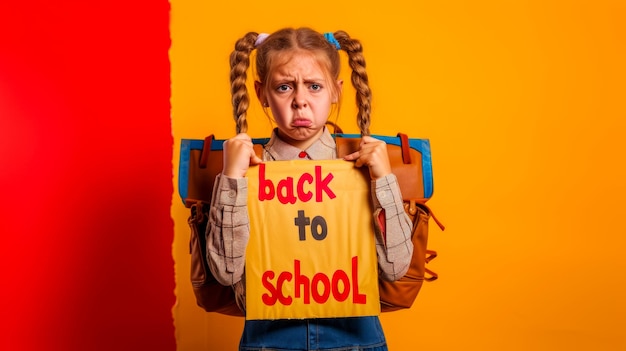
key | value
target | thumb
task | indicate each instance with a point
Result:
(255, 160)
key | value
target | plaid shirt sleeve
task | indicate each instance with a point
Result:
(393, 237)
(228, 230)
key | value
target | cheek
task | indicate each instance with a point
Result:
(325, 106)
(278, 114)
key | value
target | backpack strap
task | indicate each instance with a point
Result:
(206, 150)
(404, 144)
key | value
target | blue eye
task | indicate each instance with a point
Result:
(316, 87)
(283, 88)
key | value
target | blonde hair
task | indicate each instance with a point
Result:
(290, 39)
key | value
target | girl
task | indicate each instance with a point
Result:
(298, 80)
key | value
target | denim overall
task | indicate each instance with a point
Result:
(345, 334)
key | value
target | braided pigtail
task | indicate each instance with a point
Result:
(359, 79)
(239, 63)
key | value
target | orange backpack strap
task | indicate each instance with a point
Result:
(404, 147)
(206, 151)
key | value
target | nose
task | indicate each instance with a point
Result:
(299, 100)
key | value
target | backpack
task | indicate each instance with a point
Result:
(201, 161)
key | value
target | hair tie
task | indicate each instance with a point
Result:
(330, 37)
(260, 39)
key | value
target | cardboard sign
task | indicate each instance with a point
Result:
(312, 250)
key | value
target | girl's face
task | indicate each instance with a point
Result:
(300, 96)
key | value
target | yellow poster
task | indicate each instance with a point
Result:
(312, 251)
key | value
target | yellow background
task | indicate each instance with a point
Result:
(523, 102)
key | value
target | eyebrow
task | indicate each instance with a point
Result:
(291, 79)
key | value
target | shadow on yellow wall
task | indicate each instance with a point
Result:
(523, 104)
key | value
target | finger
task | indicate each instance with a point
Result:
(243, 136)
(360, 162)
(353, 156)
(255, 160)
(366, 139)
(237, 144)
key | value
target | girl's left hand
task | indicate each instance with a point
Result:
(373, 153)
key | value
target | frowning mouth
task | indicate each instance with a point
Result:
(301, 122)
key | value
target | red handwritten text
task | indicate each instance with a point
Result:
(320, 287)
(289, 191)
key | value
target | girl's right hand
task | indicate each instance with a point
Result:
(238, 156)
